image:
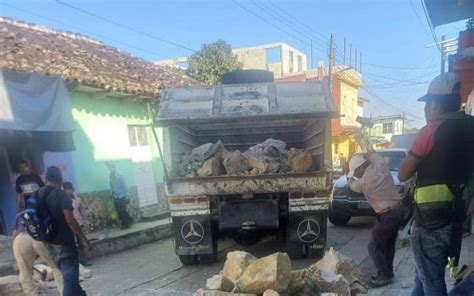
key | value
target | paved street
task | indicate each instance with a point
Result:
(154, 269)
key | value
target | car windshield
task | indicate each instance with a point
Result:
(393, 158)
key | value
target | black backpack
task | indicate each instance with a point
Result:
(36, 218)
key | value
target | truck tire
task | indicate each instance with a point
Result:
(314, 253)
(294, 250)
(339, 219)
(188, 259)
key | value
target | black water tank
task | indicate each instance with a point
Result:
(247, 76)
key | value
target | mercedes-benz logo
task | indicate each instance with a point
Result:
(308, 230)
(192, 232)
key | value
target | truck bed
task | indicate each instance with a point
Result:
(293, 182)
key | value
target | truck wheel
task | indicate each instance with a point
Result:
(188, 259)
(314, 253)
(208, 258)
(339, 219)
(293, 249)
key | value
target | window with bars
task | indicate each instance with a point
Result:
(138, 135)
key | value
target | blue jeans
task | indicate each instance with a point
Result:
(464, 288)
(66, 258)
(430, 249)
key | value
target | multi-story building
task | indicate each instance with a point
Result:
(345, 90)
(279, 58)
(387, 126)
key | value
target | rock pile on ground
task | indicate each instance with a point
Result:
(269, 157)
(245, 275)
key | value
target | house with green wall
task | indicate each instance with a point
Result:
(112, 96)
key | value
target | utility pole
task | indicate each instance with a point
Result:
(448, 46)
(360, 63)
(331, 61)
(350, 55)
(443, 54)
(344, 50)
(311, 54)
(355, 62)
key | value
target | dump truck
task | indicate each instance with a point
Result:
(246, 109)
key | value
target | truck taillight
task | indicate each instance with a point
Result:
(202, 199)
(294, 195)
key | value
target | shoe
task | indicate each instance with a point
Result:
(381, 280)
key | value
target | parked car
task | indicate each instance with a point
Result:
(346, 203)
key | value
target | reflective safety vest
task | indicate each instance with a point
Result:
(448, 163)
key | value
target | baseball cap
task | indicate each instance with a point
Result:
(441, 86)
(356, 161)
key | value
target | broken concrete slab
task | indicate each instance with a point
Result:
(338, 263)
(219, 282)
(206, 151)
(271, 293)
(236, 264)
(211, 167)
(202, 292)
(10, 285)
(297, 281)
(300, 161)
(235, 163)
(406, 284)
(270, 272)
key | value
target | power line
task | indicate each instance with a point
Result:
(269, 23)
(397, 68)
(433, 33)
(370, 91)
(323, 38)
(400, 80)
(284, 21)
(79, 29)
(124, 26)
(419, 18)
(401, 85)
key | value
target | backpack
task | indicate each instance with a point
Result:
(36, 218)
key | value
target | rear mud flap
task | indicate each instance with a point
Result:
(193, 235)
(308, 228)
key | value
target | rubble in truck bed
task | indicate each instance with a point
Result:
(269, 157)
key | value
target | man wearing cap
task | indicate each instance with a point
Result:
(370, 174)
(442, 158)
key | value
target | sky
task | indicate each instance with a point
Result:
(392, 35)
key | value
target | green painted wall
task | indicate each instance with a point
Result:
(101, 135)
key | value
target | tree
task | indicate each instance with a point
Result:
(212, 61)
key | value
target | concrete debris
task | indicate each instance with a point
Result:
(236, 264)
(206, 151)
(10, 285)
(358, 288)
(337, 263)
(269, 157)
(297, 281)
(211, 167)
(270, 272)
(271, 293)
(334, 274)
(407, 284)
(235, 163)
(202, 292)
(300, 161)
(219, 282)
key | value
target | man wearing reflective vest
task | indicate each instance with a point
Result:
(442, 159)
